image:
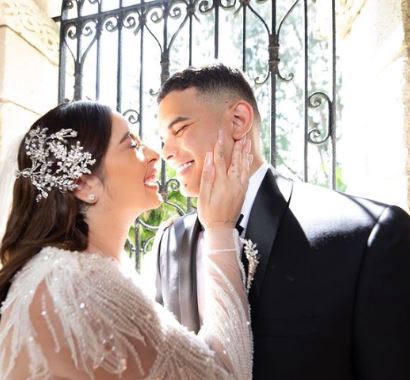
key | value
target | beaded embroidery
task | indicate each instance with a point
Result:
(96, 311)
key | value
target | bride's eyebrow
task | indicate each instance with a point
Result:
(123, 138)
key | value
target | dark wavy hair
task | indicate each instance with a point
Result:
(212, 80)
(57, 220)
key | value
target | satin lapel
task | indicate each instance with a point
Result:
(270, 204)
(188, 299)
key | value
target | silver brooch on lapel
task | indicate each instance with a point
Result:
(252, 255)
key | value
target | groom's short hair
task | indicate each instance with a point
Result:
(212, 80)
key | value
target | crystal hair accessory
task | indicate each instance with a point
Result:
(68, 163)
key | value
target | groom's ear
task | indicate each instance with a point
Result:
(242, 119)
(88, 188)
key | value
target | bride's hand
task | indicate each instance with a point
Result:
(223, 189)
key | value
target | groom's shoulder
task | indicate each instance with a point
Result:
(172, 231)
(318, 200)
(178, 224)
(186, 222)
(326, 204)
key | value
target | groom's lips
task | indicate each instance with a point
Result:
(184, 168)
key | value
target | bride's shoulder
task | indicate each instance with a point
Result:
(53, 257)
(60, 269)
(71, 263)
(74, 278)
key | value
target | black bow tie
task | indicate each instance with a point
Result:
(238, 225)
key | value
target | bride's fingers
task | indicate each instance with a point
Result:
(235, 168)
(219, 157)
(207, 179)
(246, 162)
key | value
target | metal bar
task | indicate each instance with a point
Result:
(98, 54)
(216, 36)
(244, 38)
(78, 67)
(190, 36)
(273, 39)
(138, 251)
(141, 88)
(306, 92)
(164, 77)
(165, 50)
(62, 60)
(119, 61)
(334, 95)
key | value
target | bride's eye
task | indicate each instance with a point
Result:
(135, 144)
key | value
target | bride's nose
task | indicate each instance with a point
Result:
(151, 154)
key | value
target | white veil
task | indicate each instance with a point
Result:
(8, 167)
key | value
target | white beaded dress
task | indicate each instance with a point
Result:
(77, 315)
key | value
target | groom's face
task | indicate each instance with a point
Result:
(189, 124)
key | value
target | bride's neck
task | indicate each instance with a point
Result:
(108, 231)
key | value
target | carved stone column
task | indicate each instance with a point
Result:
(29, 45)
(406, 86)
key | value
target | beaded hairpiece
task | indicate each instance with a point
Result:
(67, 165)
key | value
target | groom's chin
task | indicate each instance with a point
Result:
(189, 190)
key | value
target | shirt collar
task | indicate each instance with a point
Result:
(255, 182)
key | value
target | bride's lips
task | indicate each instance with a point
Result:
(183, 169)
(151, 179)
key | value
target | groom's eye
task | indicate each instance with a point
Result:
(179, 131)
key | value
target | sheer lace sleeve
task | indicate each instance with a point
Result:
(77, 316)
(226, 326)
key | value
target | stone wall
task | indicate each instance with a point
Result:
(373, 151)
(406, 87)
(29, 45)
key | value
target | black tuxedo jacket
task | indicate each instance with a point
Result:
(331, 295)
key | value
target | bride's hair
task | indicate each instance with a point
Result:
(57, 220)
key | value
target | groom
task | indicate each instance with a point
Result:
(330, 299)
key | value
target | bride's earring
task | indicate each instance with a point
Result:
(92, 198)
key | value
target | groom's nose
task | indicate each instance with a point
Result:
(168, 150)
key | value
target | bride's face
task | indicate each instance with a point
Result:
(129, 171)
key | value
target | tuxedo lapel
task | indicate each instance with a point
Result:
(187, 280)
(271, 202)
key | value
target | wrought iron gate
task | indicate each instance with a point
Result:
(120, 51)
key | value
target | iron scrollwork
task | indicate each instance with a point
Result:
(315, 135)
(162, 23)
(274, 45)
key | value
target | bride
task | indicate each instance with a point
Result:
(71, 308)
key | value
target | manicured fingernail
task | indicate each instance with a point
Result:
(221, 136)
(208, 160)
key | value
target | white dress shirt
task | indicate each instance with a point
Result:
(255, 182)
